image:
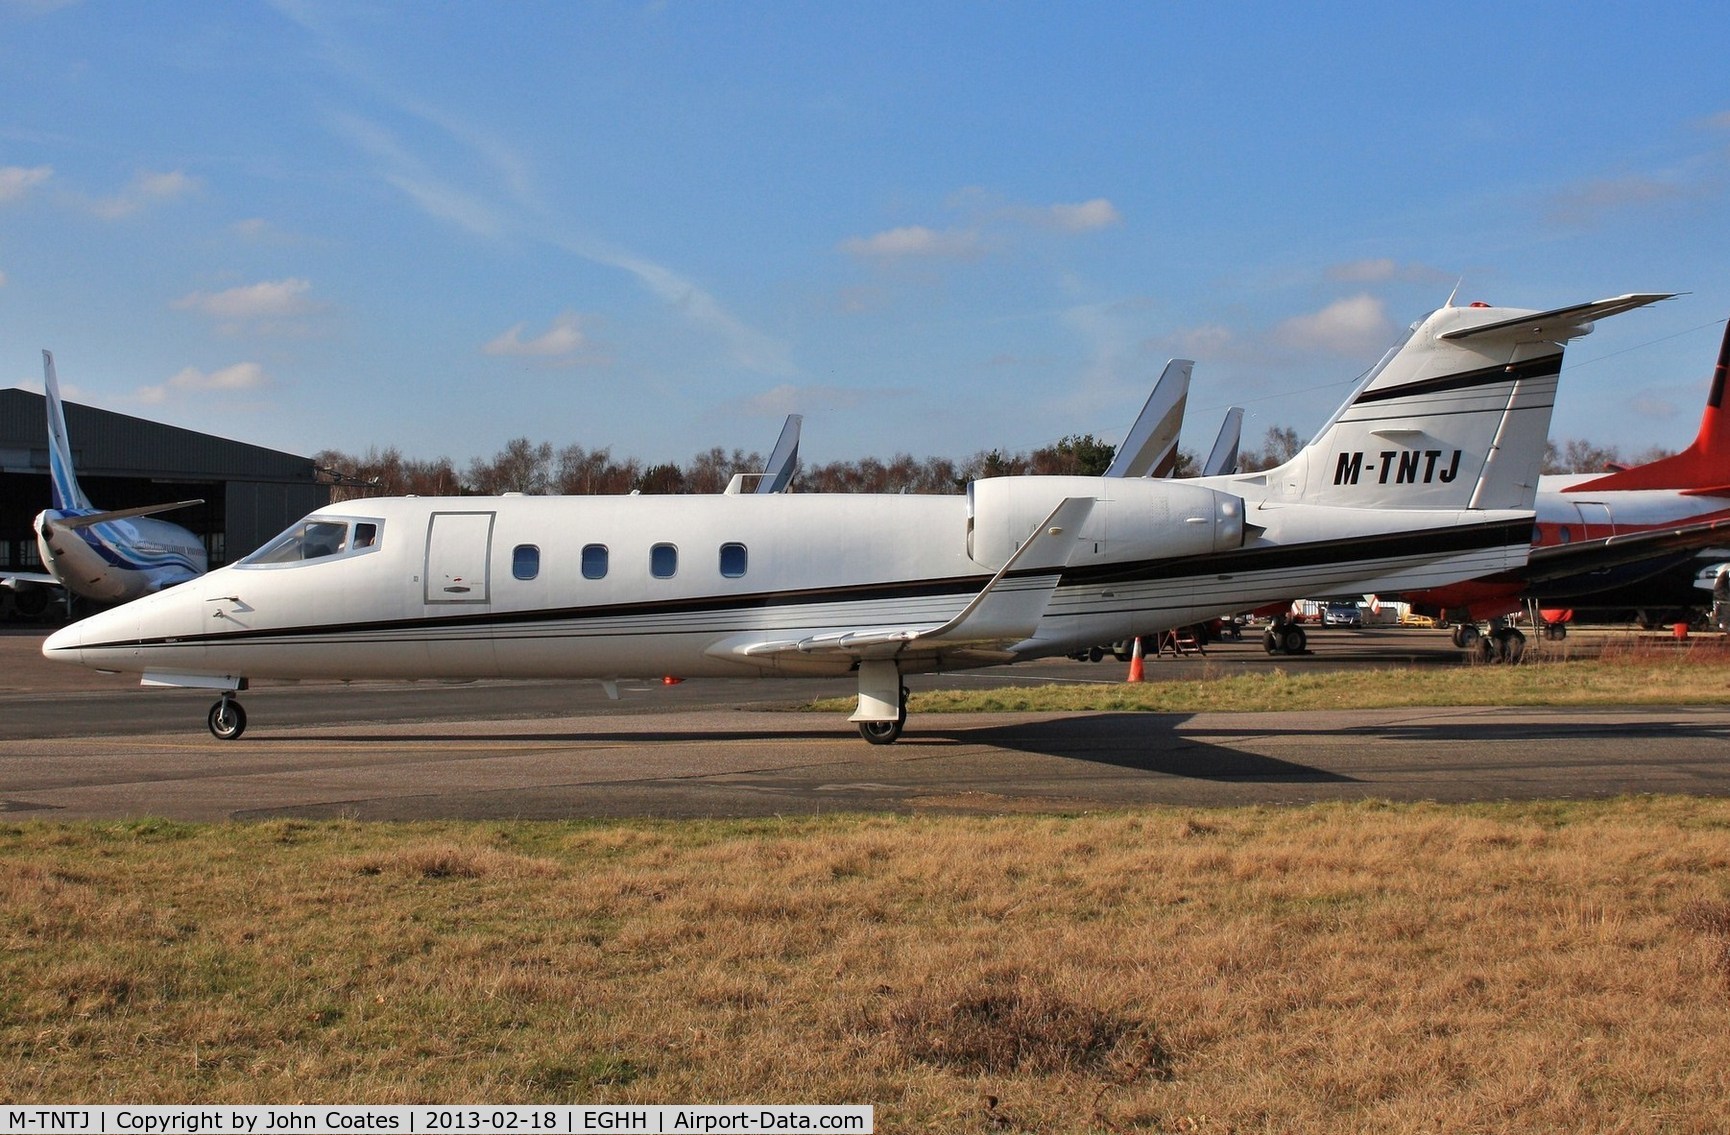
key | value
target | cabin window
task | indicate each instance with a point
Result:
(525, 561)
(594, 561)
(663, 561)
(1567, 534)
(365, 535)
(733, 559)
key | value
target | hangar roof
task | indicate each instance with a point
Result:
(106, 444)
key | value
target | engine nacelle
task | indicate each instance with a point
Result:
(1133, 518)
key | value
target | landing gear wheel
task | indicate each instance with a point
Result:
(227, 720)
(881, 732)
(1510, 646)
(1294, 640)
(1270, 642)
(1466, 636)
(1555, 632)
(886, 732)
(1482, 649)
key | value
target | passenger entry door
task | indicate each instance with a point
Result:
(458, 552)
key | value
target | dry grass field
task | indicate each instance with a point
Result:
(1553, 967)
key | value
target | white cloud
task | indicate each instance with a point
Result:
(239, 377)
(1386, 270)
(1347, 326)
(564, 337)
(147, 188)
(16, 181)
(270, 299)
(1087, 216)
(1584, 204)
(916, 242)
(789, 399)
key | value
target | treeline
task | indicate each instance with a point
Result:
(523, 466)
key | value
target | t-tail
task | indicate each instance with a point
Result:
(66, 495)
(1454, 417)
(1703, 468)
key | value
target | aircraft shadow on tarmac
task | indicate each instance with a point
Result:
(1145, 742)
(1140, 742)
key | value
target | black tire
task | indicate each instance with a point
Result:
(1294, 640)
(1095, 654)
(881, 732)
(1270, 642)
(227, 720)
(1510, 646)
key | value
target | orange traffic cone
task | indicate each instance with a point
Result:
(1135, 666)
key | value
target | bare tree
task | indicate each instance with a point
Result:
(520, 467)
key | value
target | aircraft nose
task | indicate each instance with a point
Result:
(65, 644)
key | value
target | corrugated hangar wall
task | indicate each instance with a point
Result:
(250, 493)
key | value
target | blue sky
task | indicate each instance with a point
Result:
(933, 228)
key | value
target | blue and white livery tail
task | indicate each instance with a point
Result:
(111, 557)
(67, 496)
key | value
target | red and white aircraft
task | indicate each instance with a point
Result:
(1595, 532)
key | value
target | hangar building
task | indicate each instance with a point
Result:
(250, 493)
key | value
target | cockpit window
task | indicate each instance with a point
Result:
(317, 539)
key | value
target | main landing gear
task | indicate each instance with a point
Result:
(1503, 643)
(882, 708)
(227, 718)
(1282, 637)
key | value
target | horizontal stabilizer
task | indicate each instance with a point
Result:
(119, 514)
(1559, 323)
(15, 580)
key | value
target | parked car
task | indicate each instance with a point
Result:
(1343, 615)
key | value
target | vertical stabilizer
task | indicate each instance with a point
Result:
(1222, 460)
(1150, 447)
(785, 459)
(1455, 417)
(1704, 465)
(67, 496)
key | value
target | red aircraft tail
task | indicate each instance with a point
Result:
(1703, 468)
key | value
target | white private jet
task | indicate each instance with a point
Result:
(1425, 475)
(111, 557)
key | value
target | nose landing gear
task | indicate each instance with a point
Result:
(227, 719)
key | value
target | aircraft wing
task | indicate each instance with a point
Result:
(119, 514)
(1561, 561)
(1004, 612)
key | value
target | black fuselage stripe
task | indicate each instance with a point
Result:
(1545, 367)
